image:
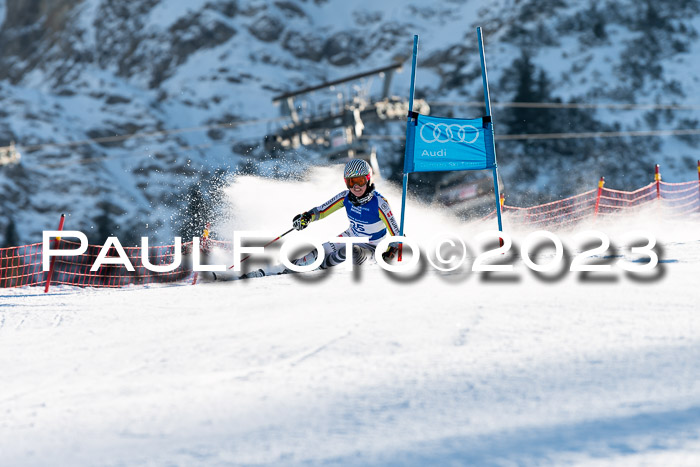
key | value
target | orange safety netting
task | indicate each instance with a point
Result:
(556, 213)
(675, 199)
(23, 265)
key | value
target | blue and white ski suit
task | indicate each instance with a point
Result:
(372, 219)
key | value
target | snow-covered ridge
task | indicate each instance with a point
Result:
(78, 70)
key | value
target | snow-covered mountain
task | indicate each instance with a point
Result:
(73, 71)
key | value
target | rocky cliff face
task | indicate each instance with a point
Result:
(77, 77)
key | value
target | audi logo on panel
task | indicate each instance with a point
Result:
(444, 133)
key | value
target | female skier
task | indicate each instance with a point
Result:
(369, 215)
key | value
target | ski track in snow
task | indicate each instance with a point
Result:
(361, 369)
(240, 373)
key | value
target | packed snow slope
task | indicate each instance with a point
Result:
(364, 367)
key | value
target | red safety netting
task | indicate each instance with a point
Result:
(673, 199)
(557, 213)
(23, 265)
(680, 198)
(75, 270)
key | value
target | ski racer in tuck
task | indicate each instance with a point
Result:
(369, 215)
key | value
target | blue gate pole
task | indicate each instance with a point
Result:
(410, 109)
(487, 101)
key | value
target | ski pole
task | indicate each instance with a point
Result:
(267, 244)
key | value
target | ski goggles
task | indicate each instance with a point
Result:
(361, 181)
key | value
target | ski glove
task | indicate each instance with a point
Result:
(301, 221)
(390, 253)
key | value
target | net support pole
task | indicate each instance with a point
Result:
(601, 182)
(204, 245)
(699, 181)
(56, 241)
(487, 102)
(408, 122)
(657, 178)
